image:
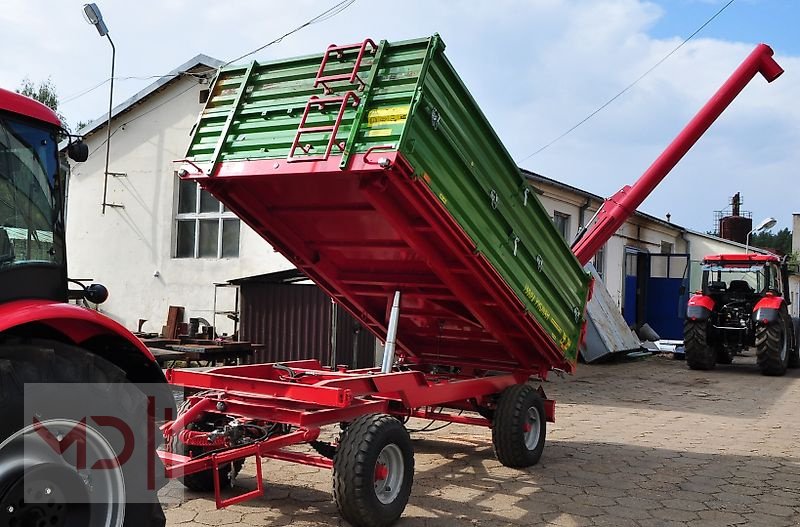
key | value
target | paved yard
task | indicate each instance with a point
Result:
(646, 443)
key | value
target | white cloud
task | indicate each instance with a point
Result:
(535, 68)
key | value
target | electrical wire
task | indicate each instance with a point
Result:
(427, 428)
(325, 15)
(154, 108)
(322, 17)
(629, 86)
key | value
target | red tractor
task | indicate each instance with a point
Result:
(57, 359)
(743, 304)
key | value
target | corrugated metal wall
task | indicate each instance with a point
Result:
(294, 322)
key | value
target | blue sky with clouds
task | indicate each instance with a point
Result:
(536, 67)
(744, 20)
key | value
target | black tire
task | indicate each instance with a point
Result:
(53, 364)
(723, 356)
(325, 449)
(773, 346)
(700, 354)
(362, 499)
(203, 481)
(794, 354)
(519, 427)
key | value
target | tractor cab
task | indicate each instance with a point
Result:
(32, 179)
(743, 277)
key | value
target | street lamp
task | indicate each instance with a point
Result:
(93, 16)
(765, 225)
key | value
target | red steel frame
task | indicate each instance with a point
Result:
(314, 396)
(307, 396)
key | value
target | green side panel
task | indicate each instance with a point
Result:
(275, 98)
(451, 144)
(414, 99)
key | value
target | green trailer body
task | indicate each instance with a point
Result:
(403, 98)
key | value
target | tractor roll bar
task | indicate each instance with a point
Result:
(616, 209)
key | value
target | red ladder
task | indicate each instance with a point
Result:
(339, 52)
(349, 97)
(320, 102)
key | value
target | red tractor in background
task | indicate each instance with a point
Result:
(46, 342)
(743, 304)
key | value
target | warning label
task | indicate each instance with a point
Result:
(384, 116)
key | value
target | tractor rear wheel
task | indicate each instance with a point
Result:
(31, 467)
(519, 428)
(773, 346)
(373, 471)
(794, 354)
(700, 355)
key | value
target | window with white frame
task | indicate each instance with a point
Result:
(204, 228)
(561, 221)
(600, 262)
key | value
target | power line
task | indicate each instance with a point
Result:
(154, 108)
(629, 86)
(78, 95)
(325, 15)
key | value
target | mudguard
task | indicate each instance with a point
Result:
(699, 307)
(82, 326)
(768, 310)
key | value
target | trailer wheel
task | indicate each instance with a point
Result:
(773, 346)
(373, 471)
(519, 428)
(700, 354)
(203, 481)
(31, 466)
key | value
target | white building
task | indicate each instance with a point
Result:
(162, 242)
(158, 242)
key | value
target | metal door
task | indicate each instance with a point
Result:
(666, 295)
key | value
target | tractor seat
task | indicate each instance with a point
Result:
(717, 287)
(740, 286)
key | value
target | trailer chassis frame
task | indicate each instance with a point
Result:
(304, 396)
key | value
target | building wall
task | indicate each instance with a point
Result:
(130, 249)
(638, 232)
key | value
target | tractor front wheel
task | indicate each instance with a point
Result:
(700, 354)
(373, 471)
(519, 428)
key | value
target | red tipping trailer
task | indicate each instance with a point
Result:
(371, 168)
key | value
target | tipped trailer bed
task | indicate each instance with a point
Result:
(372, 169)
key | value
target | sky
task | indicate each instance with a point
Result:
(535, 67)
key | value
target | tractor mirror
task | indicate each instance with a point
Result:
(96, 293)
(78, 151)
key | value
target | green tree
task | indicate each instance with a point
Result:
(781, 241)
(45, 92)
